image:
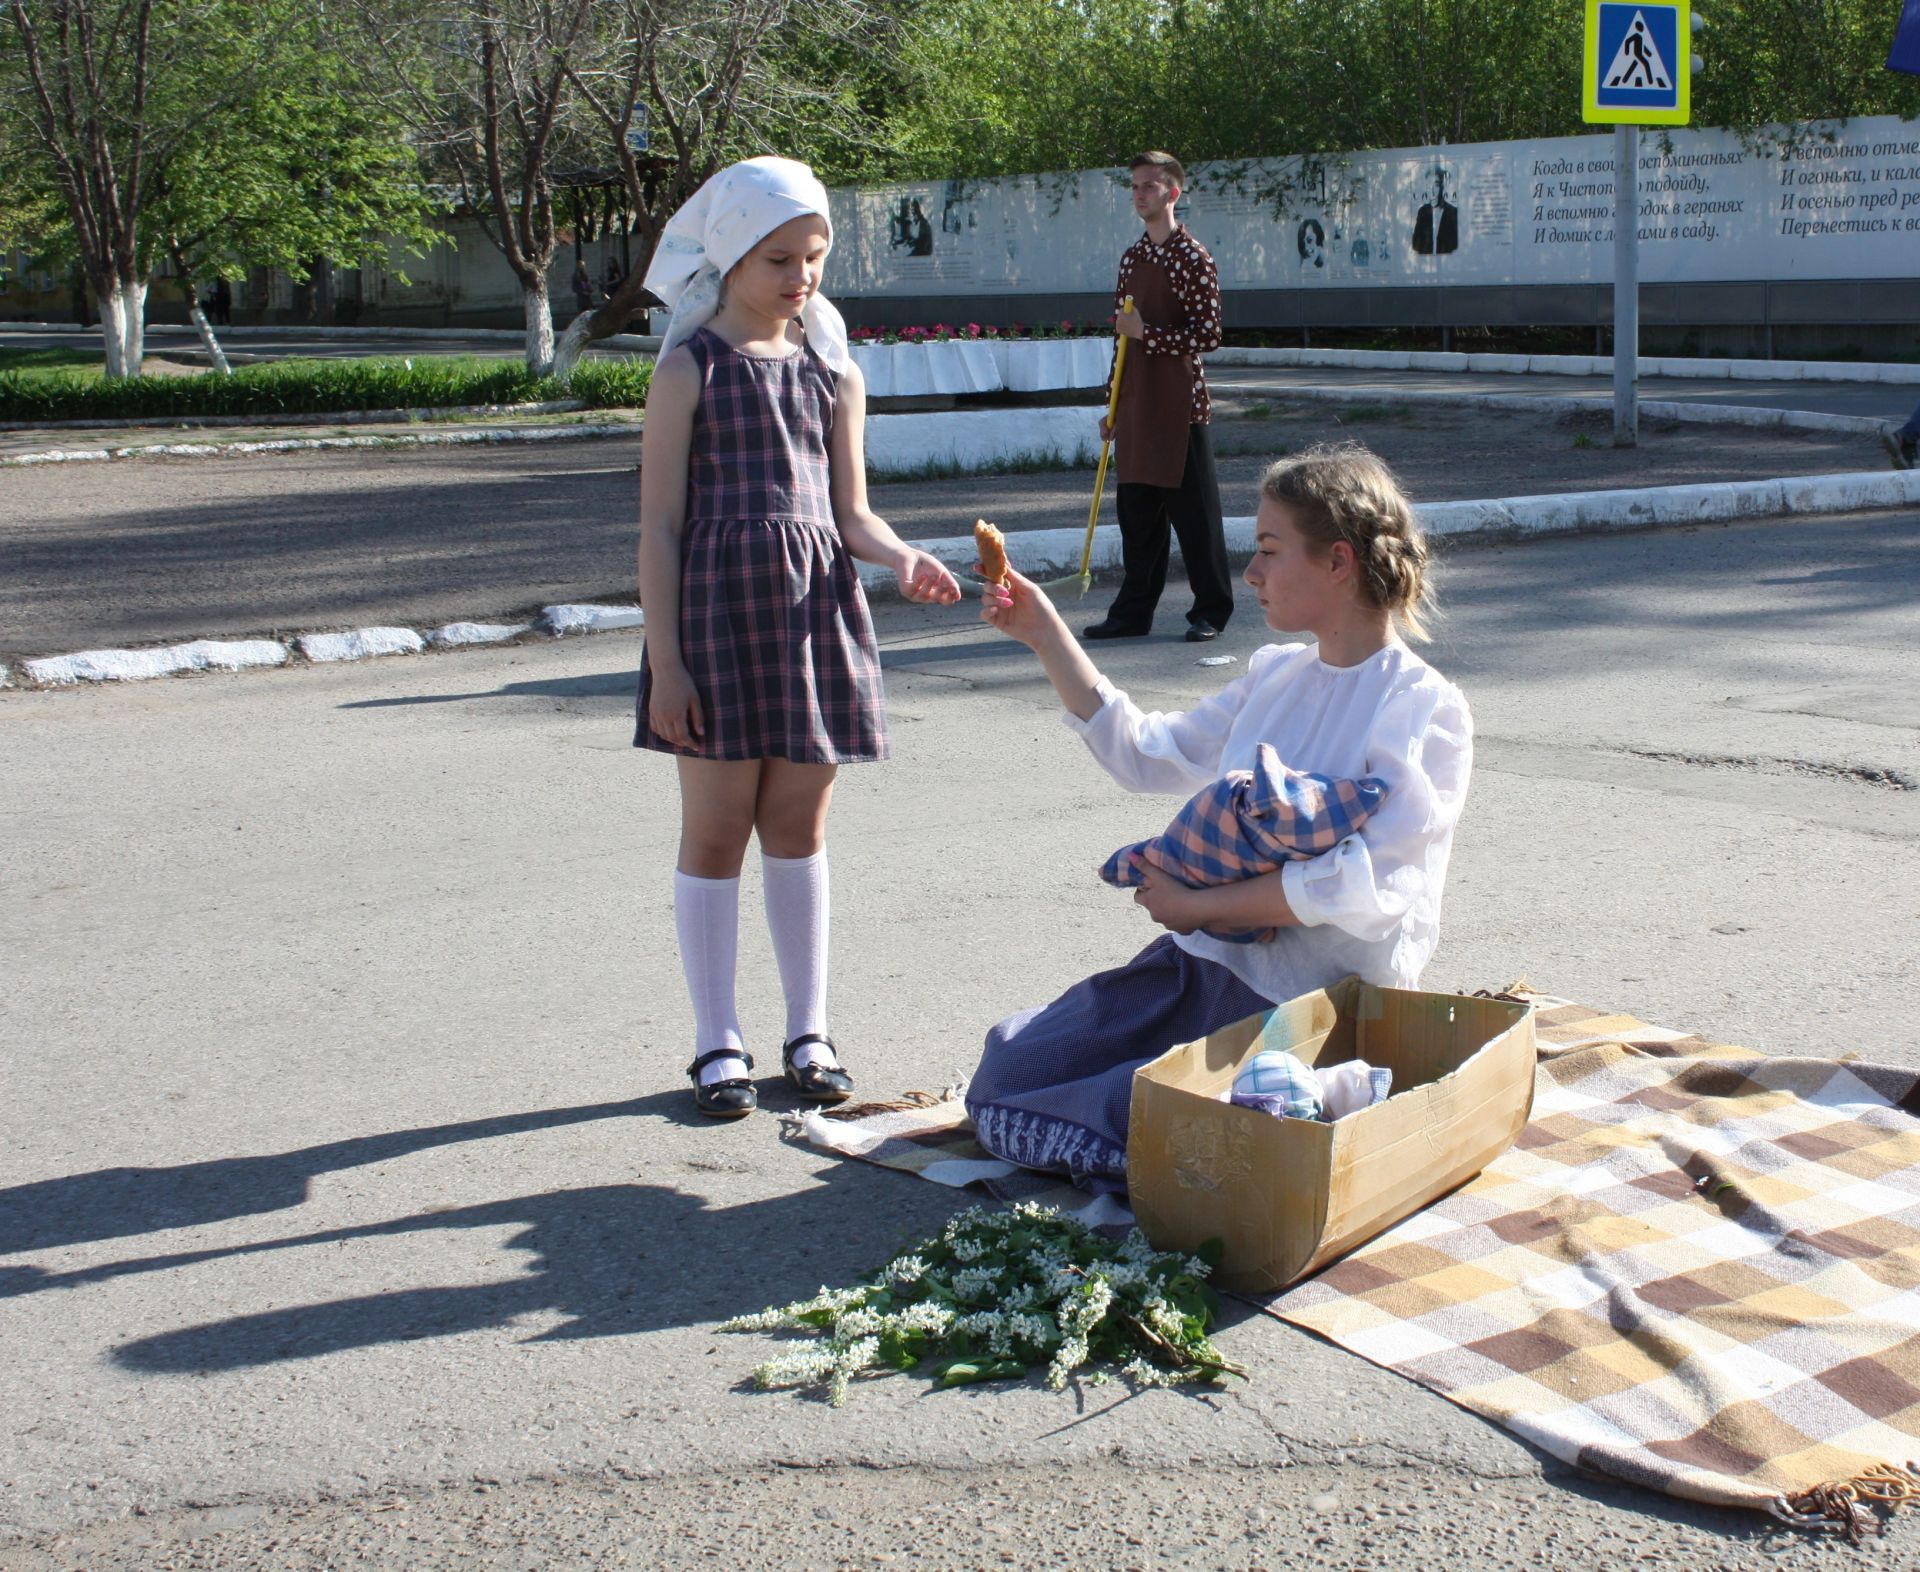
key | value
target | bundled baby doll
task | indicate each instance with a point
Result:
(1249, 823)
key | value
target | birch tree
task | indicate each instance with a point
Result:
(710, 81)
(212, 132)
(80, 84)
(487, 86)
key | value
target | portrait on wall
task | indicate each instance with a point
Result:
(1436, 228)
(910, 230)
(1311, 242)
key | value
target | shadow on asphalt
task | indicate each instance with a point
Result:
(116, 1203)
(624, 683)
(611, 1259)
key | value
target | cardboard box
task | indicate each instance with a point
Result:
(1286, 1196)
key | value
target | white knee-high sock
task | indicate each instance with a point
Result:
(796, 895)
(706, 912)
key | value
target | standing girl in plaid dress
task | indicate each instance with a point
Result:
(760, 672)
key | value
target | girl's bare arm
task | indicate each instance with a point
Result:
(664, 442)
(869, 537)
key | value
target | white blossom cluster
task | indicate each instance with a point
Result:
(978, 1294)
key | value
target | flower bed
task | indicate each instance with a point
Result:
(946, 358)
(914, 362)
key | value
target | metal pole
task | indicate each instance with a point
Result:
(1626, 285)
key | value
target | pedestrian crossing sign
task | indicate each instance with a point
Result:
(1639, 59)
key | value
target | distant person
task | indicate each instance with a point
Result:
(81, 314)
(582, 287)
(1903, 442)
(615, 278)
(222, 302)
(1166, 481)
(759, 670)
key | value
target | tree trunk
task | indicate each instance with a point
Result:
(589, 327)
(204, 328)
(129, 319)
(113, 329)
(573, 344)
(539, 328)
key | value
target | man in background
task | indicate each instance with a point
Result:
(1166, 477)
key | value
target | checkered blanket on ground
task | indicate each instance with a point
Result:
(1248, 823)
(1697, 1270)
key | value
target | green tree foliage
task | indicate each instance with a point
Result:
(220, 132)
(994, 87)
(305, 166)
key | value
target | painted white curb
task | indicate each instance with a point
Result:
(1757, 418)
(559, 620)
(1676, 366)
(454, 634)
(492, 435)
(133, 665)
(346, 417)
(1055, 553)
(961, 440)
(643, 341)
(322, 648)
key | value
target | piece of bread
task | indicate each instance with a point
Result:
(992, 546)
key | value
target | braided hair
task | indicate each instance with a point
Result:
(1344, 492)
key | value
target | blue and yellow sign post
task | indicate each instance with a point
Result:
(1639, 72)
(1639, 63)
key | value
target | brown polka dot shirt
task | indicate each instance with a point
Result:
(1163, 390)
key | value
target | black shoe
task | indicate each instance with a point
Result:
(816, 1083)
(1200, 632)
(730, 1099)
(1107, 628)
(1902, 449)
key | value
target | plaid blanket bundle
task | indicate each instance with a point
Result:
(1698, 1270)
(1248, 823)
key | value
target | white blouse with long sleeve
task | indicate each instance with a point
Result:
(1372, 904)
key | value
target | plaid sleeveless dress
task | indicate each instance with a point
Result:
(774, 626)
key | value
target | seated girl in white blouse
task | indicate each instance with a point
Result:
(1337, 555)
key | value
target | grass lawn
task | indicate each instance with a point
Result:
(40, 360)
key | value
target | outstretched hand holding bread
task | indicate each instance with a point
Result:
(992, 546)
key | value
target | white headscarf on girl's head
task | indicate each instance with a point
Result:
(724, 220)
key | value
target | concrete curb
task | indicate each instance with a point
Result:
(1677, 366)
(642, 341)
(315, 648)
(962, 441)
(1045, 555)
(345, 417)
(1756, 417)
(491, 435)
(1055, 553)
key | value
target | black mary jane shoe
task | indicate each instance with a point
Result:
(730, 1099)
(816, 1083)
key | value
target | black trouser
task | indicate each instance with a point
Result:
(1192, 508)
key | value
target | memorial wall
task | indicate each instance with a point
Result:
(1815, 202)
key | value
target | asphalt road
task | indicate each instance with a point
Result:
(352, 1214)
(149, 550)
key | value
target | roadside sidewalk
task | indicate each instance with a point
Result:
(1855, 401)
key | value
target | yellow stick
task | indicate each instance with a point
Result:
(1106, 448)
